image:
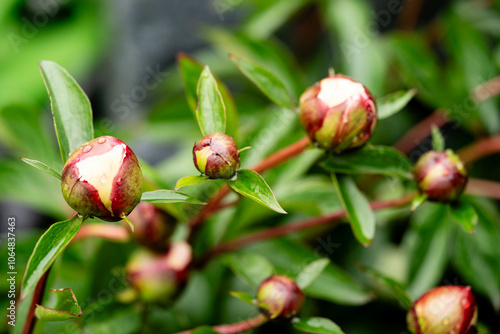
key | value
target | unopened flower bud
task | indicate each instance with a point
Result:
(160, 278)
(443, 310)
(338, 113)
(216, 156)
(279, 297)
(441, 176)
(152, 226)
(102, 178)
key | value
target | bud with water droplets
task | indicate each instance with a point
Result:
(441, 176)
(102, 178)
(338, 113)
(443, 310)
(216, 156)
(279, 297)
(153, 226)
(160, 277)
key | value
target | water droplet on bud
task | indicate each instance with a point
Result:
(87, 149)
(103, 179)
(119, 181)
(101, 140)
(66, 186)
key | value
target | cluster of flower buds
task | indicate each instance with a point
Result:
(102, 178)
(160, 278)
(153, 226)
(279, 297)
(216, 156)
(441, 176)
(445, 309)
(338, 113)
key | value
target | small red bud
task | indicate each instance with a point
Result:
(443, 310)
(338, 113)
(441, 176)
(152, 226)
(216, 156)
(279, 297)
(160, 277)
(102, 178)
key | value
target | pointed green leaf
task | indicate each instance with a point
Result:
(418, 201)
(464, 214)
(42, 166)
(47, 249)
(393, 103)
(243, 296)
(190, 181)
(383, 160)
(358, 209)
(250, 184)
(66, 307)
(311, 272)
(211, 112)
(266, 81)
(252, 268)
(71, 108)
(317, 325)
(168, 196)
(438, 143)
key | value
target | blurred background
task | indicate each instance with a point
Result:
(123, 54)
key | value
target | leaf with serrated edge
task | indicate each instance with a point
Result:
(316, 325)
(393, 103)
(190, 181)
(311, 272)
(358, 209)
(66, 307)
(47, 249)
(250, 184)
(168, 196)
(211, 112)
(42, 166)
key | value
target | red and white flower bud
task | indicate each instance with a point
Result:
(441, 176)
(279, 297)
(153, 226)
(216, 156)
(157, 277)
(102, 178)
(443, 310)
(338, 113)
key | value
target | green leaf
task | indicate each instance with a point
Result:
(438, 143)
(250, 184)
(418, 201)
(393, 103)
(311, 272)
(317, 325)
(371, 160)
(71, 108)
(266, 81)
(464, 214)
(42, 166)
(358, 209)
(66, 307)
(211, 112)
(252, 268)
(47, 249)
(189, 181)
(204, 330)
(168, 196)
(243, 296)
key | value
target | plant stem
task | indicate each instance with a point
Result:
(302, 225)
(29, 325)
(270, 162)
(480, 187)
(480, 149)
(487, 90)
(237, 327)
(104, 231)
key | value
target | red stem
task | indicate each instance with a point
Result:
(305, 224)
(29, 325)
(236, 327)
(105, 231)
(480, 149)
(483, 188)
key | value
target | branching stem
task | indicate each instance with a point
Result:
(237, 327)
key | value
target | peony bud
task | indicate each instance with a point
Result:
(443, 310)
(152, 226)
(102, 178)
(279, 297)
(441, 176)
(160, 277)
(216, 156)
(338, 113)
